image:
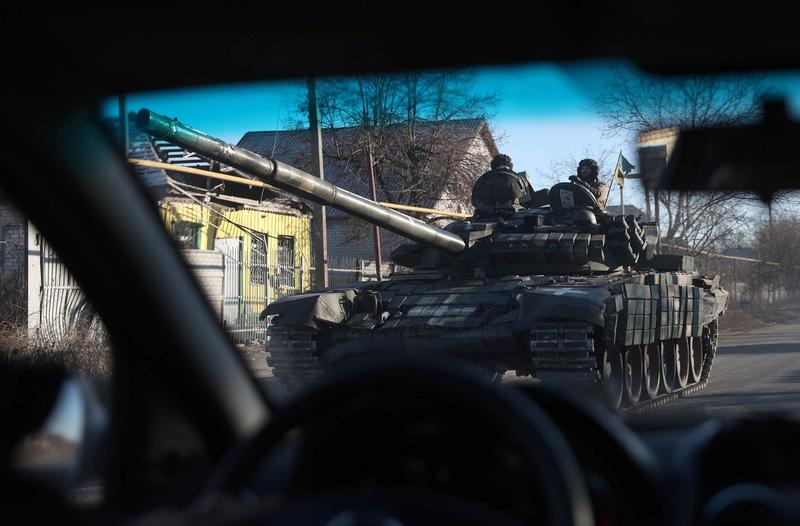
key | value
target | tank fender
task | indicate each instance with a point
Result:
(714, 304)
(315, 310)
(562, 303)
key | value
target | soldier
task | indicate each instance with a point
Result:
(589, 174)
(500, 190)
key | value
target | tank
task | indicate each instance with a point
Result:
(559, 291)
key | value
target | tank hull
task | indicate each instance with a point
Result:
(594, 330)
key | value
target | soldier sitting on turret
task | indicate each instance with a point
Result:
(589, 175)
(500, 191)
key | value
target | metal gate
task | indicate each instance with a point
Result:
(246, 286)
(63, 307)
(231, 249)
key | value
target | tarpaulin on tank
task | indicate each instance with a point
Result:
(309, 310)
(563, 303)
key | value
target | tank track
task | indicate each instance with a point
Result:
(564, 351)
(560, 352)
(293, 355)
(567, 351)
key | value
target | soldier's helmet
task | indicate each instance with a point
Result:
(502, 160)
(592, 164)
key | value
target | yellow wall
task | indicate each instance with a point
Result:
(224, 225)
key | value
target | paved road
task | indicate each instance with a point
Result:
(754, 371)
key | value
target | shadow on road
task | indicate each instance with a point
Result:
(776, 348)
(791, 377)
(741, 402)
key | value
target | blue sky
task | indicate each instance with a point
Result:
(545, 116)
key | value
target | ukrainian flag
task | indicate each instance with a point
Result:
(623, 167)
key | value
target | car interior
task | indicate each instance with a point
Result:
(189, 436)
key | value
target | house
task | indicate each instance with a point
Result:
(266, 236)
(460, 151)
(246, 247)
(256, 228)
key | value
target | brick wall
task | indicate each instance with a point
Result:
(347, 238)
(12, 245)
(209, 269)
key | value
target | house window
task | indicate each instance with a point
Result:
(187, 234)
(286, 269)
(258, 260)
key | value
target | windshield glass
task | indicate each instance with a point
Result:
(554, 264)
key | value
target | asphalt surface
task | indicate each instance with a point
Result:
(757, 371)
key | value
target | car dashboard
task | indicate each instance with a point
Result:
(643, 469)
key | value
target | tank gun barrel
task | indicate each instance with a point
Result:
(296, 182)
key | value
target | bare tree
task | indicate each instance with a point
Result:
(778, 241)
(639, 103)
(560, 170)
(702, 221)
(421, 129)
(633, 103)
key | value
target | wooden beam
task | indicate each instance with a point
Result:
(261, 184)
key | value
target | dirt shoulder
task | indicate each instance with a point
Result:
(741, 321)
(256, 358)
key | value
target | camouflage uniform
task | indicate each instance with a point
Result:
(600, 191)
(591, 179)
(500, 189)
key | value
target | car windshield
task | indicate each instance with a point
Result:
(535, 253)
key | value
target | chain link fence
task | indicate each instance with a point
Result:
(242, 304)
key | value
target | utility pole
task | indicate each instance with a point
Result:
(657, 211)
(319, 224)
(769, 212)
(376, 231)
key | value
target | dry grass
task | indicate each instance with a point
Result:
(85, 352)
(738, 320)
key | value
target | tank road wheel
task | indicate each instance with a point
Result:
(683, 362)
(633, 374)
(611, 369)
(669, 364)
(651, 368)
(696, 359)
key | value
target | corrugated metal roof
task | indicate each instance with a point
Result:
(277, 206)
(139, 147)
(344, 159)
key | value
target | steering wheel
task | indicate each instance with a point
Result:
(376, 431)
(631, 477)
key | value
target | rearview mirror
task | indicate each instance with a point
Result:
(66, 450)
(761, 157)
